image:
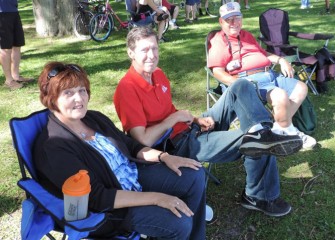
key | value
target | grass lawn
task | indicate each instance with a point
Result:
(306, 178)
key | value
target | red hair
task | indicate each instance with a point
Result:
(56, 77)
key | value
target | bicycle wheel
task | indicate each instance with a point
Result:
(166, 27)
(101, 27)
(81, 24)
(213, 7)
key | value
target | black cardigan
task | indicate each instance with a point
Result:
(59, 153)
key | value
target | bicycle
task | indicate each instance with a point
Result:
(83, 17)
(213, 6)
(103, 23)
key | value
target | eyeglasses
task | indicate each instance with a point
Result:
(54, 72)
(233, 19)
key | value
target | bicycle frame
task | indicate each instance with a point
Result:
(109, 11)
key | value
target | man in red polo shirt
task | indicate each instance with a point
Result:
(144, 105)
(235, 54)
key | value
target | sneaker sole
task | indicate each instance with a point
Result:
(284, 148)
(250, 207)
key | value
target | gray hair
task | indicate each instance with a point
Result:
(139, 33)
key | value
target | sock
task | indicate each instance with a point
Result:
(256, 128)
(173, 20)
(290, 130)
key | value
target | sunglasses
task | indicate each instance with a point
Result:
(54, 72)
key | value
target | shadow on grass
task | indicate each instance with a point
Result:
(8, 205)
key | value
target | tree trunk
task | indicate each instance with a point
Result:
(53, 17)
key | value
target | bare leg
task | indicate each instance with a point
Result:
(175, 13)
(161, 25)
(5, 55)
(281, 104)
(194, 11)
(297, 97)
(16, 58)
(188, 9)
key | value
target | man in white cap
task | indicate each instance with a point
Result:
(235, 53)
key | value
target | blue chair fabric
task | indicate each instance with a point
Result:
(42, 212)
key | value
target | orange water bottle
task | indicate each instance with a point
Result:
(76, 190)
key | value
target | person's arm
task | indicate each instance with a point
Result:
(125, 199)
(224, 77)
(285, 66)
(152, 5)
(149, 135)
(173, 162)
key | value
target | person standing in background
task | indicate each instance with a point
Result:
(246, 3)
(305, 4)
(327, 6)
(11, 41)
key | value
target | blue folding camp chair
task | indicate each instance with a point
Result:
(41, 211)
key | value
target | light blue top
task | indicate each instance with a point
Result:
(124, 170)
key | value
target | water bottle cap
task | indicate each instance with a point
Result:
(78, 184)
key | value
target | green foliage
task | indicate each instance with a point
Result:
(306, 178)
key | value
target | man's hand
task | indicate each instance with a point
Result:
(181, 116)
(206, 123)
(286, 68)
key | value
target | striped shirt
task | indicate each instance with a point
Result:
(124, 170)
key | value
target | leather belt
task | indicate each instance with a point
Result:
(252, 71)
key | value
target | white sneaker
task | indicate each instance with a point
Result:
(247, 6)
(308, 141)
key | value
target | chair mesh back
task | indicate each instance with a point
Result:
(274, 27)
(24, 132)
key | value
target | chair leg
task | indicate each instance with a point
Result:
(209, 175)
(311, 86)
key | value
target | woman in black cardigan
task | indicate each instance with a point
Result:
(142, 189)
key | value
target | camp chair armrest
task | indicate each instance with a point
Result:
(311, 36)
(280, 45)
(55, 207)
(210, 72)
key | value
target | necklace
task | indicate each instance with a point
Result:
(83, 135)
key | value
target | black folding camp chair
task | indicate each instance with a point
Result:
(275, 33)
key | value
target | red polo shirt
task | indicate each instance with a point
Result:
(248, 51)
(138, 103)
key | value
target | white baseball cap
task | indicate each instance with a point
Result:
(230, 9)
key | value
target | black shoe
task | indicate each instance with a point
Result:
(274, 208)
(266, 142)
(200, 12)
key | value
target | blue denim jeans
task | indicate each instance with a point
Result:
(222, 144)
(161, 223)
(270, 80)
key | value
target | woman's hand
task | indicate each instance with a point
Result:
(176, 162)
(174, 204)
(206, 123)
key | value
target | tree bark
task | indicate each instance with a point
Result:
(53, 17)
